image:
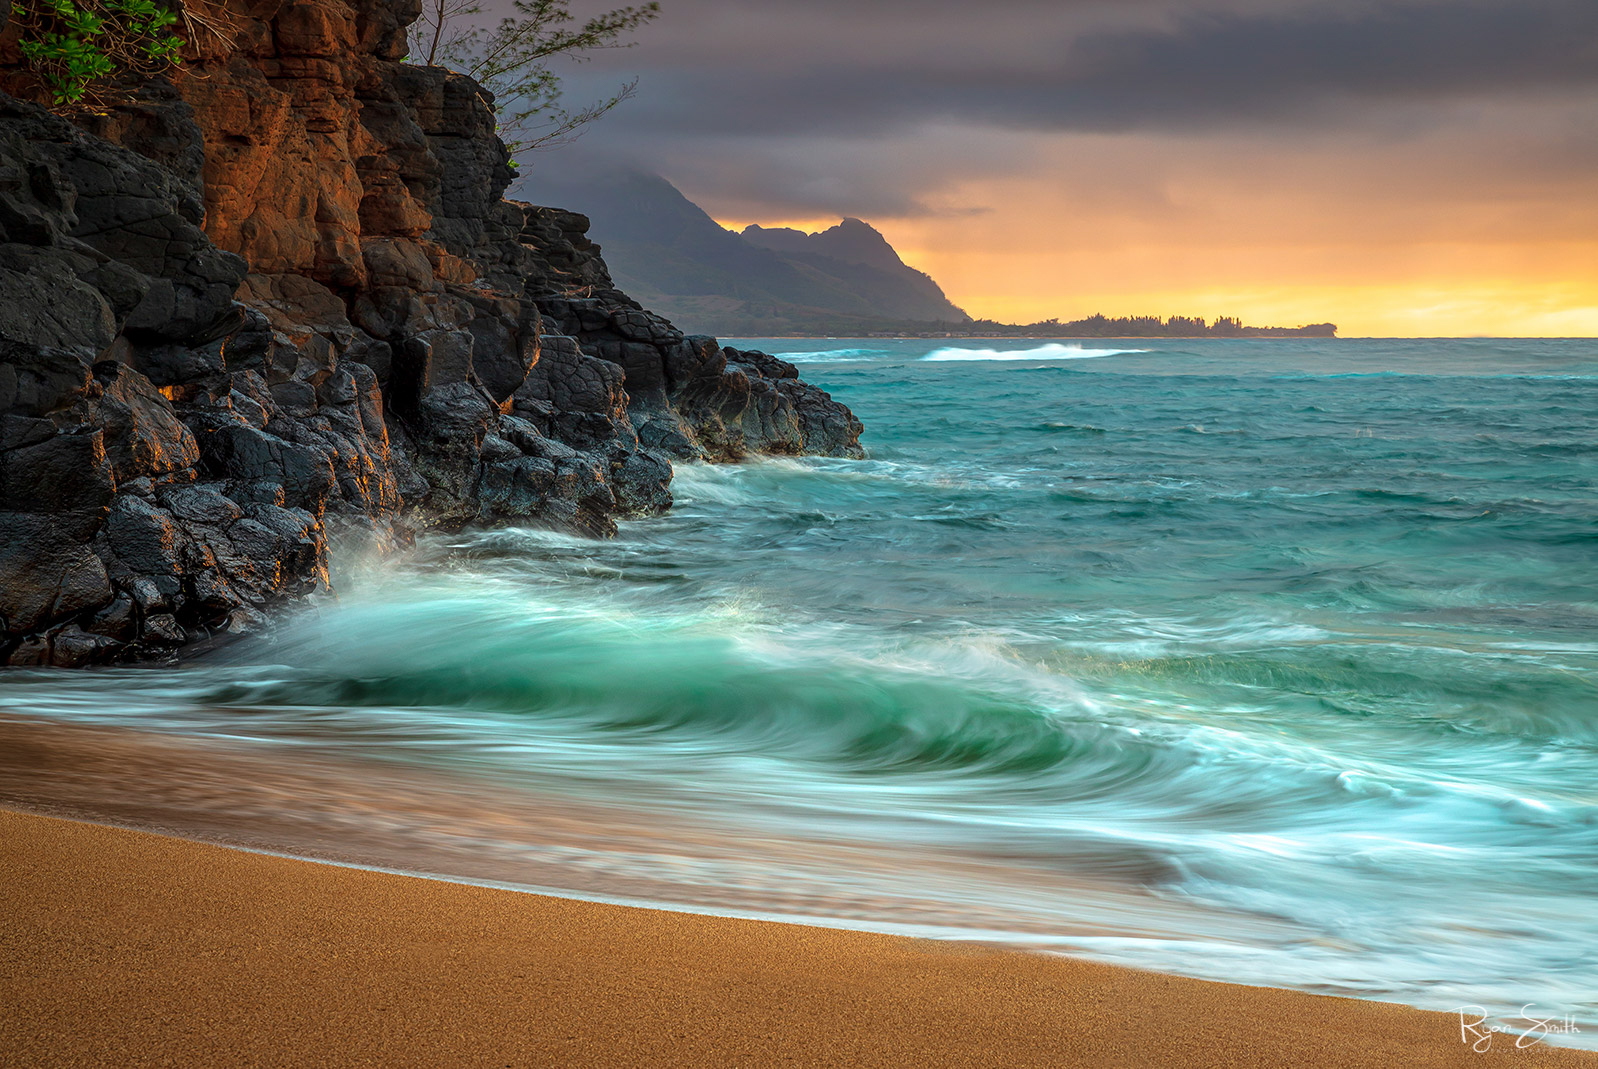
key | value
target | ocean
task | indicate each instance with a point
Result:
(1267, 661)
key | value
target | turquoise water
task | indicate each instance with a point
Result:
(1271, 661)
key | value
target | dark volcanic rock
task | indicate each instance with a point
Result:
(143, 435)
(120, 277)
(44, 577)
(282, 298)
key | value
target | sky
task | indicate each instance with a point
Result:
(1399, 167)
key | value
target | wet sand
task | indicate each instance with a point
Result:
(125, 948)
(339, 804)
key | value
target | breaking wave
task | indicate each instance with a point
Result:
(1051, 351)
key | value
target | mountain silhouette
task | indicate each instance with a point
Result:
(670, 255)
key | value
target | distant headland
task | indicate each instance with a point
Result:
(763, 282)
(1100, 326)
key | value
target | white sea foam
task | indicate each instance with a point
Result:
(822, 356)
(710, 483)
(1051, 351)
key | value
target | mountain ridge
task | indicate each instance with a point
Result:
(852, 241)
(675, 258)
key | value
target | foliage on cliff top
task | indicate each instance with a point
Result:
(511, 60)
(79, 48)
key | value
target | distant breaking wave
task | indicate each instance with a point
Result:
(1051, 351)
(824, 355)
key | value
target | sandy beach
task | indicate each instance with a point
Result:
(125, 948)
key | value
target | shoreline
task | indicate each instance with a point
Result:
(1144, 337)
(130, 948)
(1022, 337)
(365, 812)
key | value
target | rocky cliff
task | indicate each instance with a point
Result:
(279, 300)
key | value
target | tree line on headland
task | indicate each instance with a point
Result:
(1101, 326)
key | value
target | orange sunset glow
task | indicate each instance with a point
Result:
(1404, 169)
(1414, 241)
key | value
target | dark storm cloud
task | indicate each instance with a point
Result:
(794, 108)
(1215, 68)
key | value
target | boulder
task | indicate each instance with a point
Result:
(143, 435)
(43, 577)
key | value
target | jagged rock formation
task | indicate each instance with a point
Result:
(282, 300)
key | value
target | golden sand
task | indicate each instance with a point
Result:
(122, 948)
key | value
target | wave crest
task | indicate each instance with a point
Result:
(1051, 351)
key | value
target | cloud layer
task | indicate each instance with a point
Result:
(1076, 68)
